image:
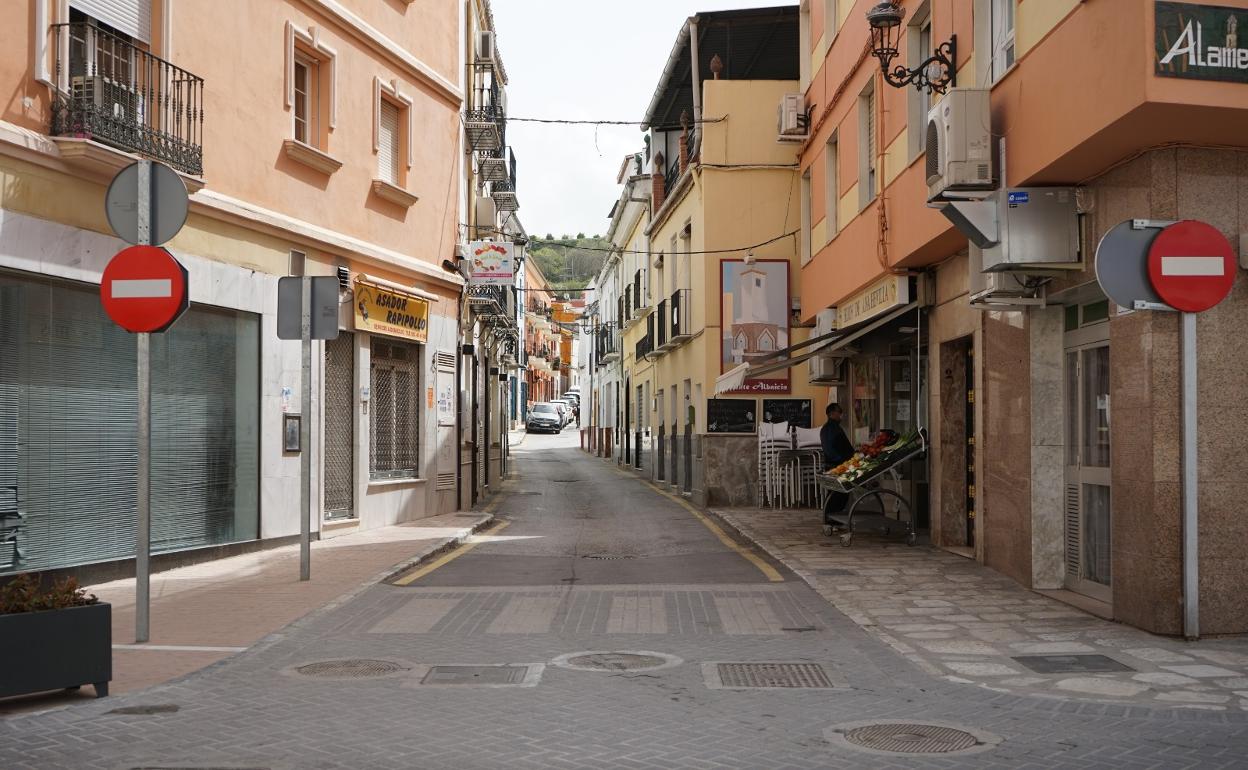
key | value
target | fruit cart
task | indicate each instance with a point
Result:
(873, 505)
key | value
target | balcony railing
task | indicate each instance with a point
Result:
(660, 327)
(114, 93)
(503, 190)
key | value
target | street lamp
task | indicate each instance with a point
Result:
(937, 73)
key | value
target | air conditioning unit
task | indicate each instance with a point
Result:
(825, 322)
(485, 45)
(1001, 290)
(827, 370)
(959, 143)
(791, 119)
(109, 98)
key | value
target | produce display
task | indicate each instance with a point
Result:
(877, 454)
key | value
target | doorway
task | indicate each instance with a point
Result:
(957, 446)
(1087, 519)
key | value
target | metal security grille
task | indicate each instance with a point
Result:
(767, 675)
(340, 426)
(394, 429)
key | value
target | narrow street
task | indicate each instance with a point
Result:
(584, 568)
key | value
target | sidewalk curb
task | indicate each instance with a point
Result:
(897, 646)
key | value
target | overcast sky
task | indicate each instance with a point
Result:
(583, 60)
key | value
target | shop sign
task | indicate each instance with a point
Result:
(1201, 42)
(389, 312)
(490, 263)
(880, 297)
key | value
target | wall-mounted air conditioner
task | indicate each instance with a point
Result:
(1037, 228)
(1008, 290)
(959, 143)
(485, 45)
(825, 322)
(791, 119)
(827, 370)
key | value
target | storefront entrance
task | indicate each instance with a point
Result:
(1087, 473)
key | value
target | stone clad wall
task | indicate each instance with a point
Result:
(730, 468)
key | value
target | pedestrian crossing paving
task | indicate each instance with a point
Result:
(652, 610)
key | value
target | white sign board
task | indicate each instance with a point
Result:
(491, 263)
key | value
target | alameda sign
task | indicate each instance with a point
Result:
(1201, 42)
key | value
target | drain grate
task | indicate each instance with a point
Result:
(903, 738)
(607, 556)
(163, 708)
(1072, 664)
(356, 668)
(469, 675)
(766, 675)
(616, 661)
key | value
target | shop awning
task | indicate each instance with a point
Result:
(815, 346)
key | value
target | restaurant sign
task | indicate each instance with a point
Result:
(880, 297)
(390, 312)
(490, 263)
(1201, 42)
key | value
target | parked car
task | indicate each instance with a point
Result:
(544, 417)
(573, 397)
(565, 410)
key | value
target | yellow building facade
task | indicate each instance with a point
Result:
(710, 277)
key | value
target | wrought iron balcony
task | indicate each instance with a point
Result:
(661, 342)
(114, 93)
(503, 191)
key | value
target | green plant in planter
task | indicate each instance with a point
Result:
(61, 634)
(25, 593)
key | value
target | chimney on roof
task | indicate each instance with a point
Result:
(717, 66)
(658, 182)
(684, 140)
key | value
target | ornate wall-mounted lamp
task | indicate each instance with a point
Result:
(936, 73)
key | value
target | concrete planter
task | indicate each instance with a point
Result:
(57, 649)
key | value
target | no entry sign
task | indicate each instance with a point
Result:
(1191, 266)
(144, 289)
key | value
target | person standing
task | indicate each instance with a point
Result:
(836, 450)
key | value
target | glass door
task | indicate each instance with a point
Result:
(1087, 492)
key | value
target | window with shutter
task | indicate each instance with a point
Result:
(394, 428)
(132, 17)
(388, 143)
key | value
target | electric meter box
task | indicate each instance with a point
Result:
(1038, 228)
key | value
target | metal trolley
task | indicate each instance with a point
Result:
(871, 503)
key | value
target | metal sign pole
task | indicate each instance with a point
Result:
(143, 525)
(1191, 553)
(305, 435)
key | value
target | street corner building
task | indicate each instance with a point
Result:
(956, 184)
(331, 154)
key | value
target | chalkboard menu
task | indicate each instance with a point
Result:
(731, 415)
(794, 411)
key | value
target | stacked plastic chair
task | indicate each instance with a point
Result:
(810, 462)
(773, 478)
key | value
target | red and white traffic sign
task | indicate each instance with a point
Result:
(144, 289)
(1191, 265)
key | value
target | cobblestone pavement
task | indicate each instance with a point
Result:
(964, 622)
(588, 561)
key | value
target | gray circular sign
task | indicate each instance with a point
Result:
(167, 204)
(1122, 264)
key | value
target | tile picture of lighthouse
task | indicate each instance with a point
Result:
(754, 318)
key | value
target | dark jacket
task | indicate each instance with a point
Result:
(836, 446)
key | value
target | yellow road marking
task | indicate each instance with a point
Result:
(451, 555)
(715, 529)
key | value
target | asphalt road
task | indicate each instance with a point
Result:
(588, 560)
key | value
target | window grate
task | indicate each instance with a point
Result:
(394, 427)
(339, 425)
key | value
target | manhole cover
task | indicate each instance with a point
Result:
(911, 738)
(756, 675)
(167, 708)
(616, 660)
(468, 675)
(359, 668)
(607, 556)
(1071, 664)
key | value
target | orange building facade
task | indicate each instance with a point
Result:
(1053, 415)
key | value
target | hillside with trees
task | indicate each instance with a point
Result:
(569, 262)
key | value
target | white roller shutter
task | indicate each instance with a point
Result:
(133, 17)
(388, 143)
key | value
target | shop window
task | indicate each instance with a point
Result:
(394, 427)
(67, 398)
